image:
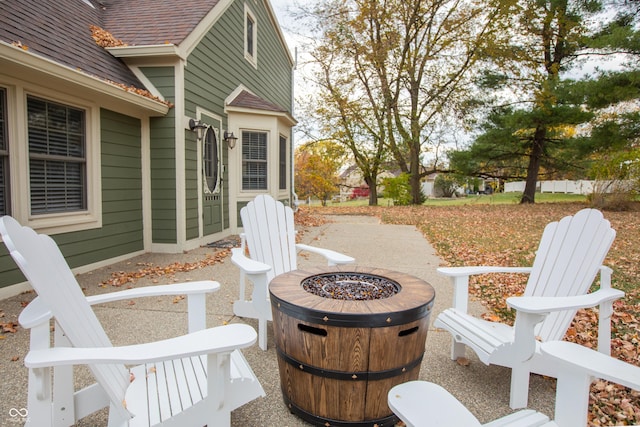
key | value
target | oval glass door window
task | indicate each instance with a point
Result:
(210, 161)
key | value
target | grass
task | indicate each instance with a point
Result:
(498, 198)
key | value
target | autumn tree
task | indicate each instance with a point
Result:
(317, 165)
(391, 71)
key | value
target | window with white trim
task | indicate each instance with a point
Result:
(57, 161)
(254, 160)
(282, 159)
(4, 155)
(250, 37)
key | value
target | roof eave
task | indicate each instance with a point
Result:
(38, 64)
(285, 115)
(169, 51)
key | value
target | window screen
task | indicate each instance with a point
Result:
(4, 155)
(254, 161)
(57, 163)
(283, 163)
(250, 29)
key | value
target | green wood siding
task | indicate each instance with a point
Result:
(121, 231)
(217, 66)
(163, 158)
(191, 185)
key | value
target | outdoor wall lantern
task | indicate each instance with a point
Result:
(230, 139)
(198, 126)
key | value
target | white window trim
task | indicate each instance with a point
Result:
(61, 222)
(252, 59)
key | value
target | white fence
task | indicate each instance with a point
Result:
(566, 186)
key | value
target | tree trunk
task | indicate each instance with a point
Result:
(529, 194)
(373, 190)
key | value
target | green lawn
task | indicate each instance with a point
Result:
(499, 198)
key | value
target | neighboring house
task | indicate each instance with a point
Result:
(98, 102)
(351, 181)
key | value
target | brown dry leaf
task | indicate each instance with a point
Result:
(15, 358)
(463, 361)
(121, 278)
(10, 327)
(104, 38)
(132, 377)
(491, 317)
(178, 299)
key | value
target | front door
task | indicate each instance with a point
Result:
(212, 220)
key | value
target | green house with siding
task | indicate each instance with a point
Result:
(132, 127)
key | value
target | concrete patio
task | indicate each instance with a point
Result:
(483, 389)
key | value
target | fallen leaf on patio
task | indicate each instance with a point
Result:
(132, 377)
(178, 299)
(10, 327)
(132, 303)
(463, 361)
(15, 358)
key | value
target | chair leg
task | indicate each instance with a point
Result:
(457, 350)
(262, 333)
(519, 394)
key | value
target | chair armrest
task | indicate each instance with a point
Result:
(474, 270)
(37, 311)
(222, 339)
(333, 257)
(540, 305)
(593, 363)
(187, 288)
(459, 277)
(246, 264)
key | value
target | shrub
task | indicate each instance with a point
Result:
(397, 189)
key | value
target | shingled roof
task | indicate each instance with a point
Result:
(60, 30)
(246, 99)
(153, 22)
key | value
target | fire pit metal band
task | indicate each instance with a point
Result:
(338, 358)
(350, 320)
(349, 376)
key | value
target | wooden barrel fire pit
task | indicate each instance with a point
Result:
(344, 336)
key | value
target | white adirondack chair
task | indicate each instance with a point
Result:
(570, 254)
(270, 237)
(190, 380)
(425, 404)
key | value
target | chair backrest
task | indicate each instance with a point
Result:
(270, 234)
(567, 261)
(44, 266)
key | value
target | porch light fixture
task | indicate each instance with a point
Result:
(198, 126)
(230, 139)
